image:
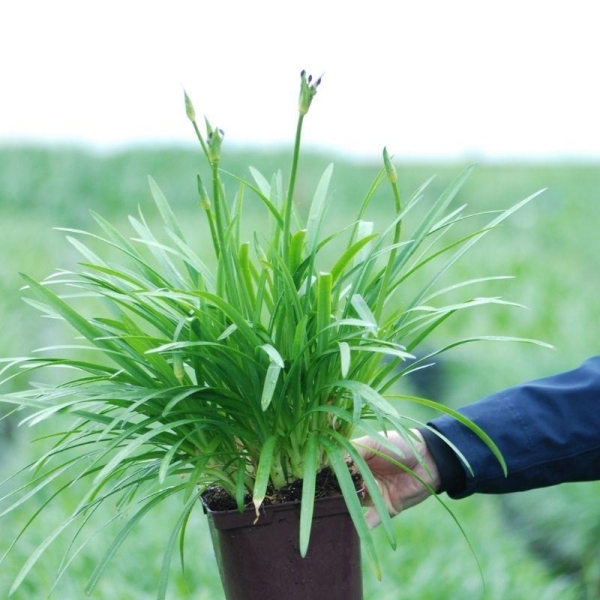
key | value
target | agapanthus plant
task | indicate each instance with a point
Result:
(250, 370)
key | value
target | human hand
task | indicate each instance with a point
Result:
(398, 485)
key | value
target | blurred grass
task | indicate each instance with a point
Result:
(552, 247)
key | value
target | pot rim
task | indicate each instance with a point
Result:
(229, 519)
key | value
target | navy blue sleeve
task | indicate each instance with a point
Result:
(547, 430)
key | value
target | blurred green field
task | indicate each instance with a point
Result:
(541, 544)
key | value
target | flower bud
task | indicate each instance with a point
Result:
(204, 199)
(189, 108)
(308, 89)
(215, 139)
(209, 129)
(390, 170)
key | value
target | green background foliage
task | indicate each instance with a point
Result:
(552, 248)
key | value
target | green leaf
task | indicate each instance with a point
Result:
(90, 256)
(485, 438)
(170, 547)
(344, 358)
(375, 400)
(160, 252)
(125, 531)
(261, 182)
(200, 464)
(324, 282)
(300, 340)
(388, 351)
(164, 208)
(166, 462)
(338, 464)
(240, 486)
(273, 355)
(264, 199)
(228, 331)
(234, 314)
(263, 472)
(364, 232)
(316, 214)
(308, 491)
(472, 240)
(87, 329)
(296, 249)
(133, 444)
(424, 227)
(270, 384)
(364, 312)
(35, 555)
(355, 252)
(371, 485)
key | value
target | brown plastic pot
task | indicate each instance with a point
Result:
(263, 562)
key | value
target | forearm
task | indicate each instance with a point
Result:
(548, 432)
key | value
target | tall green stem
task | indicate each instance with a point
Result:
(287, 209)
(200, 138)
(218, 208)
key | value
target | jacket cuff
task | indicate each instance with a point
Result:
(452, 474)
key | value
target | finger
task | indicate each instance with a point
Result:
(372, 518)
(366, 497)
(363, 446)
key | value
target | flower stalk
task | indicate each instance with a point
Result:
(308, 90)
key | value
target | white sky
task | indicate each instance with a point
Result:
(426, 78)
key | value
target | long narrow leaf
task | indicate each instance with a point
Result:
(350, 494)
(125, 531)
(371, 484)
(308, 491)
(263, 472)
(317, 210)
(270, 384)
(170, 547)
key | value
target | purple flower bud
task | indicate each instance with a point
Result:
(308, 89)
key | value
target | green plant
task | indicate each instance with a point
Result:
(249, 372)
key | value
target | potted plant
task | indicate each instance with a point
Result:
(243, 380)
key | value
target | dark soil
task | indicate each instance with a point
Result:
(218, 499)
